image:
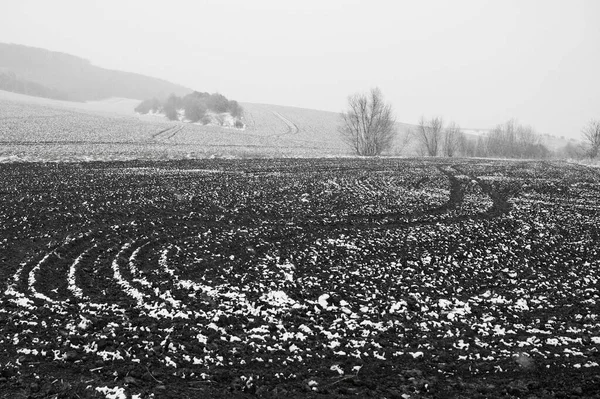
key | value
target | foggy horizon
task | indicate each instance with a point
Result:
(476, 63)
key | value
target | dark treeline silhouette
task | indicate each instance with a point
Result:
(194, 105)
(10, 82)
(76, 77)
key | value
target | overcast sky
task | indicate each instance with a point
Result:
(476, 62)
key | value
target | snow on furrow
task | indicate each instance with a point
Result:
(19, 299)
(32, 280)
(71, 280)
(128, 288)
(348, 292)
(32, 277)
(133, 269)
(179, 283)
(154, 309)
(232, 297)
(142, 280)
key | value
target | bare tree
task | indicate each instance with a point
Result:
(573, 151)
(368, 125)
(467, 146)
(481, 147)
(501, 141)
(403, 140)
(591, 135)
(513, 140)
(453, 138)
(528, 143)
(429, 133)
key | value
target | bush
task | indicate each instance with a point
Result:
(194, 108)
(174, 102)
(171, 106)
(194, 105)
(235, 109)
(206, 120)
(217, 103)
(239, 124)
(148, 105)
(171, 112)
(198, 95)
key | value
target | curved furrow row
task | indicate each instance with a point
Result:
(179, 275)
(30, 288)
(72, 276)
(183, 284)
(124, 284)
(12, 291)
(31, 280)
(94, 277)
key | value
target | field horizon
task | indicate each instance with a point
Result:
(40, 129)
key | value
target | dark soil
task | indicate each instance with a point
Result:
(378, 278)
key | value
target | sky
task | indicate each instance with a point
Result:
(475, 62)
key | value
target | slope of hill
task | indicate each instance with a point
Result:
(10, 82)
(39, 129)
(76, 79)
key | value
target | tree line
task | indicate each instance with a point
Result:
(9, 81)
(508, 140)
(195, 106)
(368, 126)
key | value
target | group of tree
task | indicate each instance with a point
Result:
(513, 140)
(368, 126)
(507, 140)
(435, 139)
(195, 106)
(589, 147)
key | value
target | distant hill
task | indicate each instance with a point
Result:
(9, 81)
(45, 73)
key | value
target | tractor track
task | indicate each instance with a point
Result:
(168, 133)
(292, 128)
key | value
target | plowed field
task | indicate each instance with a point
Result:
(300, 278)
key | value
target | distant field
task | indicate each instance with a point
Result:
(41, 129)
(34, 128)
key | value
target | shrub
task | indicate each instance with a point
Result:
(206, 119)
(148, 105)
(198, 95)
(194, 108)
(217, 103)
(235, 109)
(171, 112)
(194, 105)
